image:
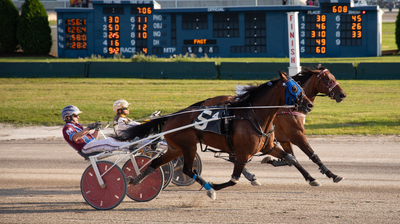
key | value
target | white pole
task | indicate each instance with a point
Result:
(294, 53)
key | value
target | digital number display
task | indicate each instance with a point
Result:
(315, 34)
(113, 28)
(75, 34)
(144, 10)
(330, 29)
(141, 34)
(351, 30)
(335, 9)
(140, 22)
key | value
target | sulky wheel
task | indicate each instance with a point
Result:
(150, 187)
(168, 169)
(114, 191)
(180, 179)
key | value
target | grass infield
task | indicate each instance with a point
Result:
(370, 108)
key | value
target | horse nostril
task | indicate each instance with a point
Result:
(310, 105)
(343, 95)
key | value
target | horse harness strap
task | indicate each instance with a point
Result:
(227, 129)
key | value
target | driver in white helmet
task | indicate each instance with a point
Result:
(122, 122)
(80, 138)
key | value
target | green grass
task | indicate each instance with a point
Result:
(388, 36)
(371, 107)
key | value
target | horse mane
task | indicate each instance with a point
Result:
(305, 74)
(252, 93)
(198, 104)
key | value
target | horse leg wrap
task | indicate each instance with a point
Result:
(149, 170)
(323, 169)
(210, 190)
(314, 157)
(248, 175)
(289, 158)
(201, 181)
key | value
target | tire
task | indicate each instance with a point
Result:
(168, 169)
(180, 179)
(150, 187)
(115, 186)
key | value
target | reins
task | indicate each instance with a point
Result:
(217, 108)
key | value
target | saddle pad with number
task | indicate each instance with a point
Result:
(212, 126)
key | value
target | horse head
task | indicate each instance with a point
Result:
(294, 94)
(327, 84)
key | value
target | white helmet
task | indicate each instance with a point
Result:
(69, 111)
(119, 104)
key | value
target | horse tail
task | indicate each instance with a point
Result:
(154, 126)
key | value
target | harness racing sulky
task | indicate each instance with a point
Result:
(242, 128)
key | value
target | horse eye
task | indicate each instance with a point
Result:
(294, 89)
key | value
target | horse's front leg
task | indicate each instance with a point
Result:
(237, 170)
(307, 176)
(290, 160)
(303, 144)
(240, 163)
(250, 177)
(324, 170)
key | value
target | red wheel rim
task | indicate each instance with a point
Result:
(149, 188)
(108, 197)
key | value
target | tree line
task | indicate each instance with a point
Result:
(29, 31)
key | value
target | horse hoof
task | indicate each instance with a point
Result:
(315, 183)
(267, 159)
(211, 193)
(338, 179)
(255, 183)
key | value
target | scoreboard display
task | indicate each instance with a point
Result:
(117, 27)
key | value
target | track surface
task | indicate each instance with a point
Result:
(39, 183)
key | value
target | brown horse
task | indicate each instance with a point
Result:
(289, 124)
(250, 120)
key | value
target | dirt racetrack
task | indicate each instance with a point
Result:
(39, 183)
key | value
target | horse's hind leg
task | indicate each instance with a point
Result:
(165, 158)
(189, 154)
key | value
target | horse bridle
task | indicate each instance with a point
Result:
(329, 87)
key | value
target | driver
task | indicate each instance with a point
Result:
(122, 122)
(80, 138)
